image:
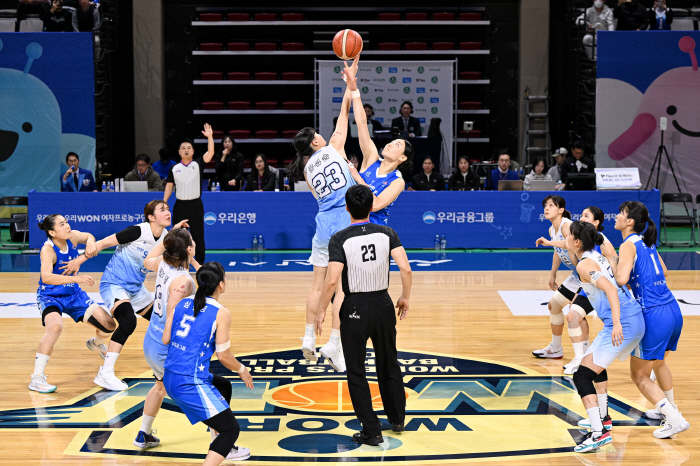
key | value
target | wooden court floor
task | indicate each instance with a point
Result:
(452, 313)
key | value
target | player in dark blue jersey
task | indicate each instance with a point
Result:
(642, 267)
(59, 292)
(381, 175)
(196, 327)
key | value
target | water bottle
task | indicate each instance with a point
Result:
(520, 172)
(104, 186)
(218, 187)
(111, 189)
(437, 242)
(443, 243)
(255, 243)
(261, 243)
(286, 182)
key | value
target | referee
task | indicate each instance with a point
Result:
(361, 254)
(186, 176)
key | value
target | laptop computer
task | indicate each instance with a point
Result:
(136, 186)
(542, 185)
(510, 185)
(580, 182)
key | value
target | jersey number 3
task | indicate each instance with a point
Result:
(368, 253)
(321, 184)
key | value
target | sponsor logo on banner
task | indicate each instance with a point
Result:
(378, 100)
(365, 80)
(379, 69)
(210, 218)
(406, 80)
(392, 90)
(378, 90)
(337, 90)
(393, 70)
(434, 90)
(420, 100)
(336, 69)
(434, 69)
(422, 120)
(406, 90)
(421, 70)
(337, 100)
(420, 90)
(421, 110)
(379, 80)
(434, 80)
(407, 70)
(433, 110)
(429, 217)
(392, 110)
(392, 80)
(380, 119)
(420, 80)
(435, 100)
(365, 90)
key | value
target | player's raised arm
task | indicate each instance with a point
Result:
(369, 150)
(340, 134)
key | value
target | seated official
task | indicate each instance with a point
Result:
(261, 178)
(143, 172)
(406, 122)
(502, 173)
(538, 173)
(57, 19)
(428, 181)
(86, 17)
(369, 111)
(76, 179)
(163, 166)
(578, 162)
(229, 165)
(463, 179)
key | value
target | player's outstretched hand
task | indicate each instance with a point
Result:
(319, 321)
(208, 132)
(542, 241)
(182, 224)
(402, 306)
(349, 74)
(71, 268)
(84, 280)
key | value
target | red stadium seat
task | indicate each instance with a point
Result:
(210, 17)
(443, 16)
(292, 46)
(293, 75)
(265, 17)
(212, 76)
(266, 105)
(239, 134)
(212, 105)
(416, 16)
(289, 134)
(470, 75)
(470, 45)
(416, 46)
(273, 163)
(211, 46)
(443, 46)
(292, 105)
(265, 76)
(389, 16)
(286, 162)
(239, 105)
(292, 17)
(388, 46)
(238, 75)
(247, 163)
(265, 46)
(470, 16)
(469, 105)
(475, 133)
(266, 134)
(218, 134)
(238, 46)
(238, 17)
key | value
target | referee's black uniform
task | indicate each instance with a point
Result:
(368, 312)
(189, 206)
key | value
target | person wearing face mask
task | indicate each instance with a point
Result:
(660, 17)
(631, 15)
(599, 17)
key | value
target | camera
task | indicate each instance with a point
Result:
(468, 125)
(663, 123)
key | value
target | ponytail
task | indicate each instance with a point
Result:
(407, 165)
(302, 144)
(208, 278)
(643, 224)
(566, 214)
(598, 214)
(649, 236)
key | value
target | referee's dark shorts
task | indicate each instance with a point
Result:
(371, 315)
(193, 212)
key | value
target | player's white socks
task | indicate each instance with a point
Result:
(578, 349)
(309, 332)
(556, 341)
(335, 337)
(666, 408)
(594, 417)
(40, 363)
(603, 404)
(110, 360)
(669, 397)
(147, 423)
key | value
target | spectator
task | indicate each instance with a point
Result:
(502, 173)
(599, 17)
(660, 17)
(86, 17)
(578, 162)
(163, 166)
(428, 181)
(539, 173)
(31, 7)
(354, 161)
(229, 165)
(261, 177)
(74, 179)
(57, 19)
(555, 171)
(406, 122)
(369, 111)
(143, 172)
(463, 179)
(631, 15)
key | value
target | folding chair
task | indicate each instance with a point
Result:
(13, 210)
(677, 198)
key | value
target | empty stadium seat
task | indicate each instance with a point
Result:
(286, 162)
(293, 75)
(238, 75)
(416, 16)
(238, 46)
(212, 105)
(475, 133)
(389, 16)
(239, 105)
(212, 76)
(266, 134)
(7, 25)
(289, 134)
(31, 25)
(443, 16)
(265, 46)
(470, 45)
(292, 17)
(443, 46)
(266, 105)
(238, 17)
(247, 164)
(292, 46)
(265, 76)
(292, 105)
(211, 46)
(470, 75)
(239, 134)
(469, 105)
(218, 134)
(265, 17)
(274, 163)
(470, 16)
(416, 46)
(388, 46)
(210, 17)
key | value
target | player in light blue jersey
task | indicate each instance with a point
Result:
(60, 293)
(171, 258)
(196, 327)
(329, 174)
(642, 267)
(121, 286)
(623, 329)
(381, 175)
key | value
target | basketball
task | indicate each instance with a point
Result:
(347, 44)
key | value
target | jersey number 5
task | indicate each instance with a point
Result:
(184, 326)
(368, 250)
(321, 185)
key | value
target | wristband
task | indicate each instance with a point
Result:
(355, 93)
(242, 369)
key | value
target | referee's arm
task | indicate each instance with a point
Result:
(399, 256)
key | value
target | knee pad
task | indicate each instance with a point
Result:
(124, 315)
(557, 319)
(148, 315)
(602, 377)
(583, 379)
(96, 323)
(223, 443)
(223, 386)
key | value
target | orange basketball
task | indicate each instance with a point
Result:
(347, 44)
